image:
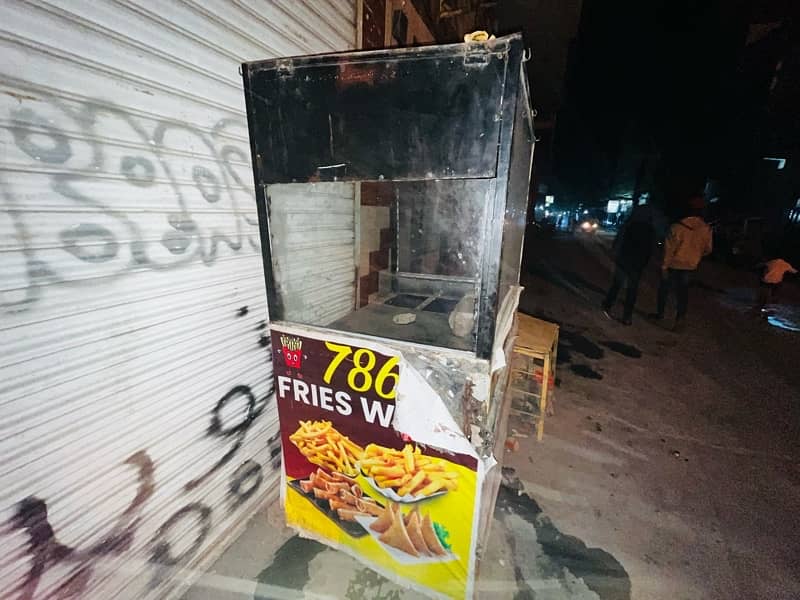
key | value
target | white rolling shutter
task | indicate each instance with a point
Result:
(312, 226)
(138, 430)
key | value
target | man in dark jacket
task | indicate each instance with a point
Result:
(634, 246)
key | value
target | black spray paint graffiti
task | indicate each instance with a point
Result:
(46, 551)
(237, 431)
(162, 551)
(243, 483)
(65, 142)
(162, 557)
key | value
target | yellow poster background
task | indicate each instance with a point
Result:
(454, 510)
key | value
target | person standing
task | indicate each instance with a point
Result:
(634, 246)
(688, 241)
(771, 279)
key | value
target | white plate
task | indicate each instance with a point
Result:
(397, 554)
(404, 318)
(392, 495)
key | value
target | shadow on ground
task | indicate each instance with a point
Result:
(569, 281)
(289, 567)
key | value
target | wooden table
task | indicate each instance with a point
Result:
(537, 340)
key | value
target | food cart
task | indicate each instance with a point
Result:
(392, 192)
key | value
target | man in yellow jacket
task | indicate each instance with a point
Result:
(688, 241)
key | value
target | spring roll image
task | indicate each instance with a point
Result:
(332, 486)
(323, 494)
(369, 507)
(349, 514)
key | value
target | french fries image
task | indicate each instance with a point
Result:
(407, 471)
(342, 493)
(324, 446)
(291, 343)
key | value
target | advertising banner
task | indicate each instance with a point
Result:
(405, 508)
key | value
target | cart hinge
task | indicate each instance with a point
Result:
(477, 54)
(285, 67)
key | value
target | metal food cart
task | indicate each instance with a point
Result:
(392, 193)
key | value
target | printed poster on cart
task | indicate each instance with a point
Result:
(353, 481)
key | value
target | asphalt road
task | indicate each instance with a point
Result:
(675, 453)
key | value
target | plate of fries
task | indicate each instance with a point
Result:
(406, 475)
(325, 447)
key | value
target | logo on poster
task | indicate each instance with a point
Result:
(291, 348)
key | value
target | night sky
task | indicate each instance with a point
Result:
(663, 96)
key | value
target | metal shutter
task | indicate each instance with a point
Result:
(313, 249)
(137, 423)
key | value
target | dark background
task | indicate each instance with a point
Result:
(659, 97)
(666, 97)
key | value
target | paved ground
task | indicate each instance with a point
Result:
(669, 470)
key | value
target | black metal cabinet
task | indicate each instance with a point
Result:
(448, 132)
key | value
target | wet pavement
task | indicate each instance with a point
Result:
(669, 469)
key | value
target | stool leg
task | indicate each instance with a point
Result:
(555, 352)
(543, 397)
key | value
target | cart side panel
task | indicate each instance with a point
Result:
(519, 178)
(490, 298)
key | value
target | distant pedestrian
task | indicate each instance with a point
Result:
(688, 241)
(771, 279)
(633, 247)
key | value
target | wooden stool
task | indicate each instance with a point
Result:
(537, 340)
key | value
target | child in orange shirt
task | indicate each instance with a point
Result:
(772, 278)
